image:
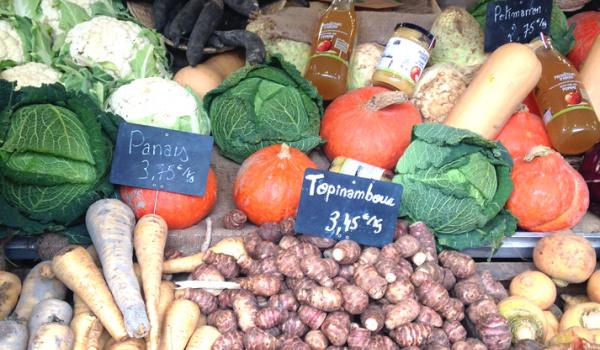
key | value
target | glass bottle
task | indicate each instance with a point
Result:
(332, 45)
(569, 118)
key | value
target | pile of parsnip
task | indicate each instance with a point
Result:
(269, 289)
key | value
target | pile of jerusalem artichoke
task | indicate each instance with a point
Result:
(304, 292)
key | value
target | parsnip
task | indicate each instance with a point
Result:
(233, 246)
(10, 287)
(180, 323)
(47, 311)
(87, 328)
(76, 269)
(52, 336)
(110, 224)
(150, 237)
(203, 338)
(13, 335)
(128, 344)
(39, 284)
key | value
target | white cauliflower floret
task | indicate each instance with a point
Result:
(31, 74)
(161, 103)
(11, 46)
(51, 15)
(108, 42)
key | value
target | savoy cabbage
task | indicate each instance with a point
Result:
(457, 183)
(55, 156)
(261, 105)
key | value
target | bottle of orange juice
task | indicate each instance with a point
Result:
(332, 45)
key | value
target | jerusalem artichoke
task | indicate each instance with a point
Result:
(359, 337)
(322, 298)
(270, 317)
(245, 308)
(404, 312)
(455, 331)
(399, 290)
(234, 219)
(428, 316)
(373, 318)
(233, 340)
(257, 339)
(262, 284)
(316, 340)
(336, 327)
(294, 327)
(311, 316)
(206, 301)
(284, 301)
(367, 278)
(461, 265)
(346, 252)
(226, 264)
(223, 320)
(412, 334)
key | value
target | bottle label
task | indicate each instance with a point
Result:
(333, 42)
(572, 96)
(360, 169)
(404, 58)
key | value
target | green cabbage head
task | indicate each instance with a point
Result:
(457, 183)
(55, 156)
(261, 105)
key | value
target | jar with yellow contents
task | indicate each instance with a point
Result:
(404, 58)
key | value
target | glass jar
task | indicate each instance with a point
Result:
(404, 58)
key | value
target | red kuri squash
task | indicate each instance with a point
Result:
(523, 131)
(179, 210)
(587, 28)
(268, 184)
(371, 124)
(548, 195)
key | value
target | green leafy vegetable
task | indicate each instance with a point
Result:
(263, 105)
(55, 155)
(457, 183)
(560, 32)
(23, 41)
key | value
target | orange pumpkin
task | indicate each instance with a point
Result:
(548, 194)
(371, 124)
(523, 131)
(179, 210)
(587, 28)
(268, 184)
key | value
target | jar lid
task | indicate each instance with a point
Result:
(418, 28)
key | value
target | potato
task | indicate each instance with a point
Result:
(566, 257)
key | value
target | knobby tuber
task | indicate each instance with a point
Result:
(316, 340)
(208, 272)
(469, 344)
(319, 269)
(235, 219)
(367, 278)
(373, 318)
(205, 301)
(391, 270)
(294, 326)
(346, 252)
(263, 284)
(223, 320)
(270, 231)
(294, 344)
(494, 331)
(355, 298)
(425, 236)
(284, 301)
(225, 264)
(322, 298)
(319, 242)
(257, 339)
(438, 338)
(288, 241)
(455, 331)
(245, 308)
(492, 287)
(270, 317)
(336, 327)
(399, 290)
(399, 314)
(369, 256)
(412, 334)
(311, 316)
(428, 316)
(359, 337)
(233, 340)
(289, 264)
(461, 265)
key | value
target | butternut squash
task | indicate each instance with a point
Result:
(590, 76)
(502, 83)
(201, 78)
(226, 63)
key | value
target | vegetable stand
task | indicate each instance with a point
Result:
(242, 174)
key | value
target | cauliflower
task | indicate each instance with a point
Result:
(31, 74)
(160, 102)
(11, 45)
(122, 49)
(51, 14)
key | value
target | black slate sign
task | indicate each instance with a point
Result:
(341, 207)
(161, 159)
(515, 21)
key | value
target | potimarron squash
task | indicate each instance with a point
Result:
(590, 75)
(548, 194)
(268, 184)
(504, 80)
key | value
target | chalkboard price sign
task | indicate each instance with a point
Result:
(161, 159)
(518, 21)
(341, 207)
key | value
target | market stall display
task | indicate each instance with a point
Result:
(474, 139)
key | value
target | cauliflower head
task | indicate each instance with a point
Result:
(52, 15)
(161, 103)
(122, 49)
(31, 74)
(11, 45)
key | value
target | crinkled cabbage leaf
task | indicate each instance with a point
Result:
(55, 156)
(261, 105)
(457, 183)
